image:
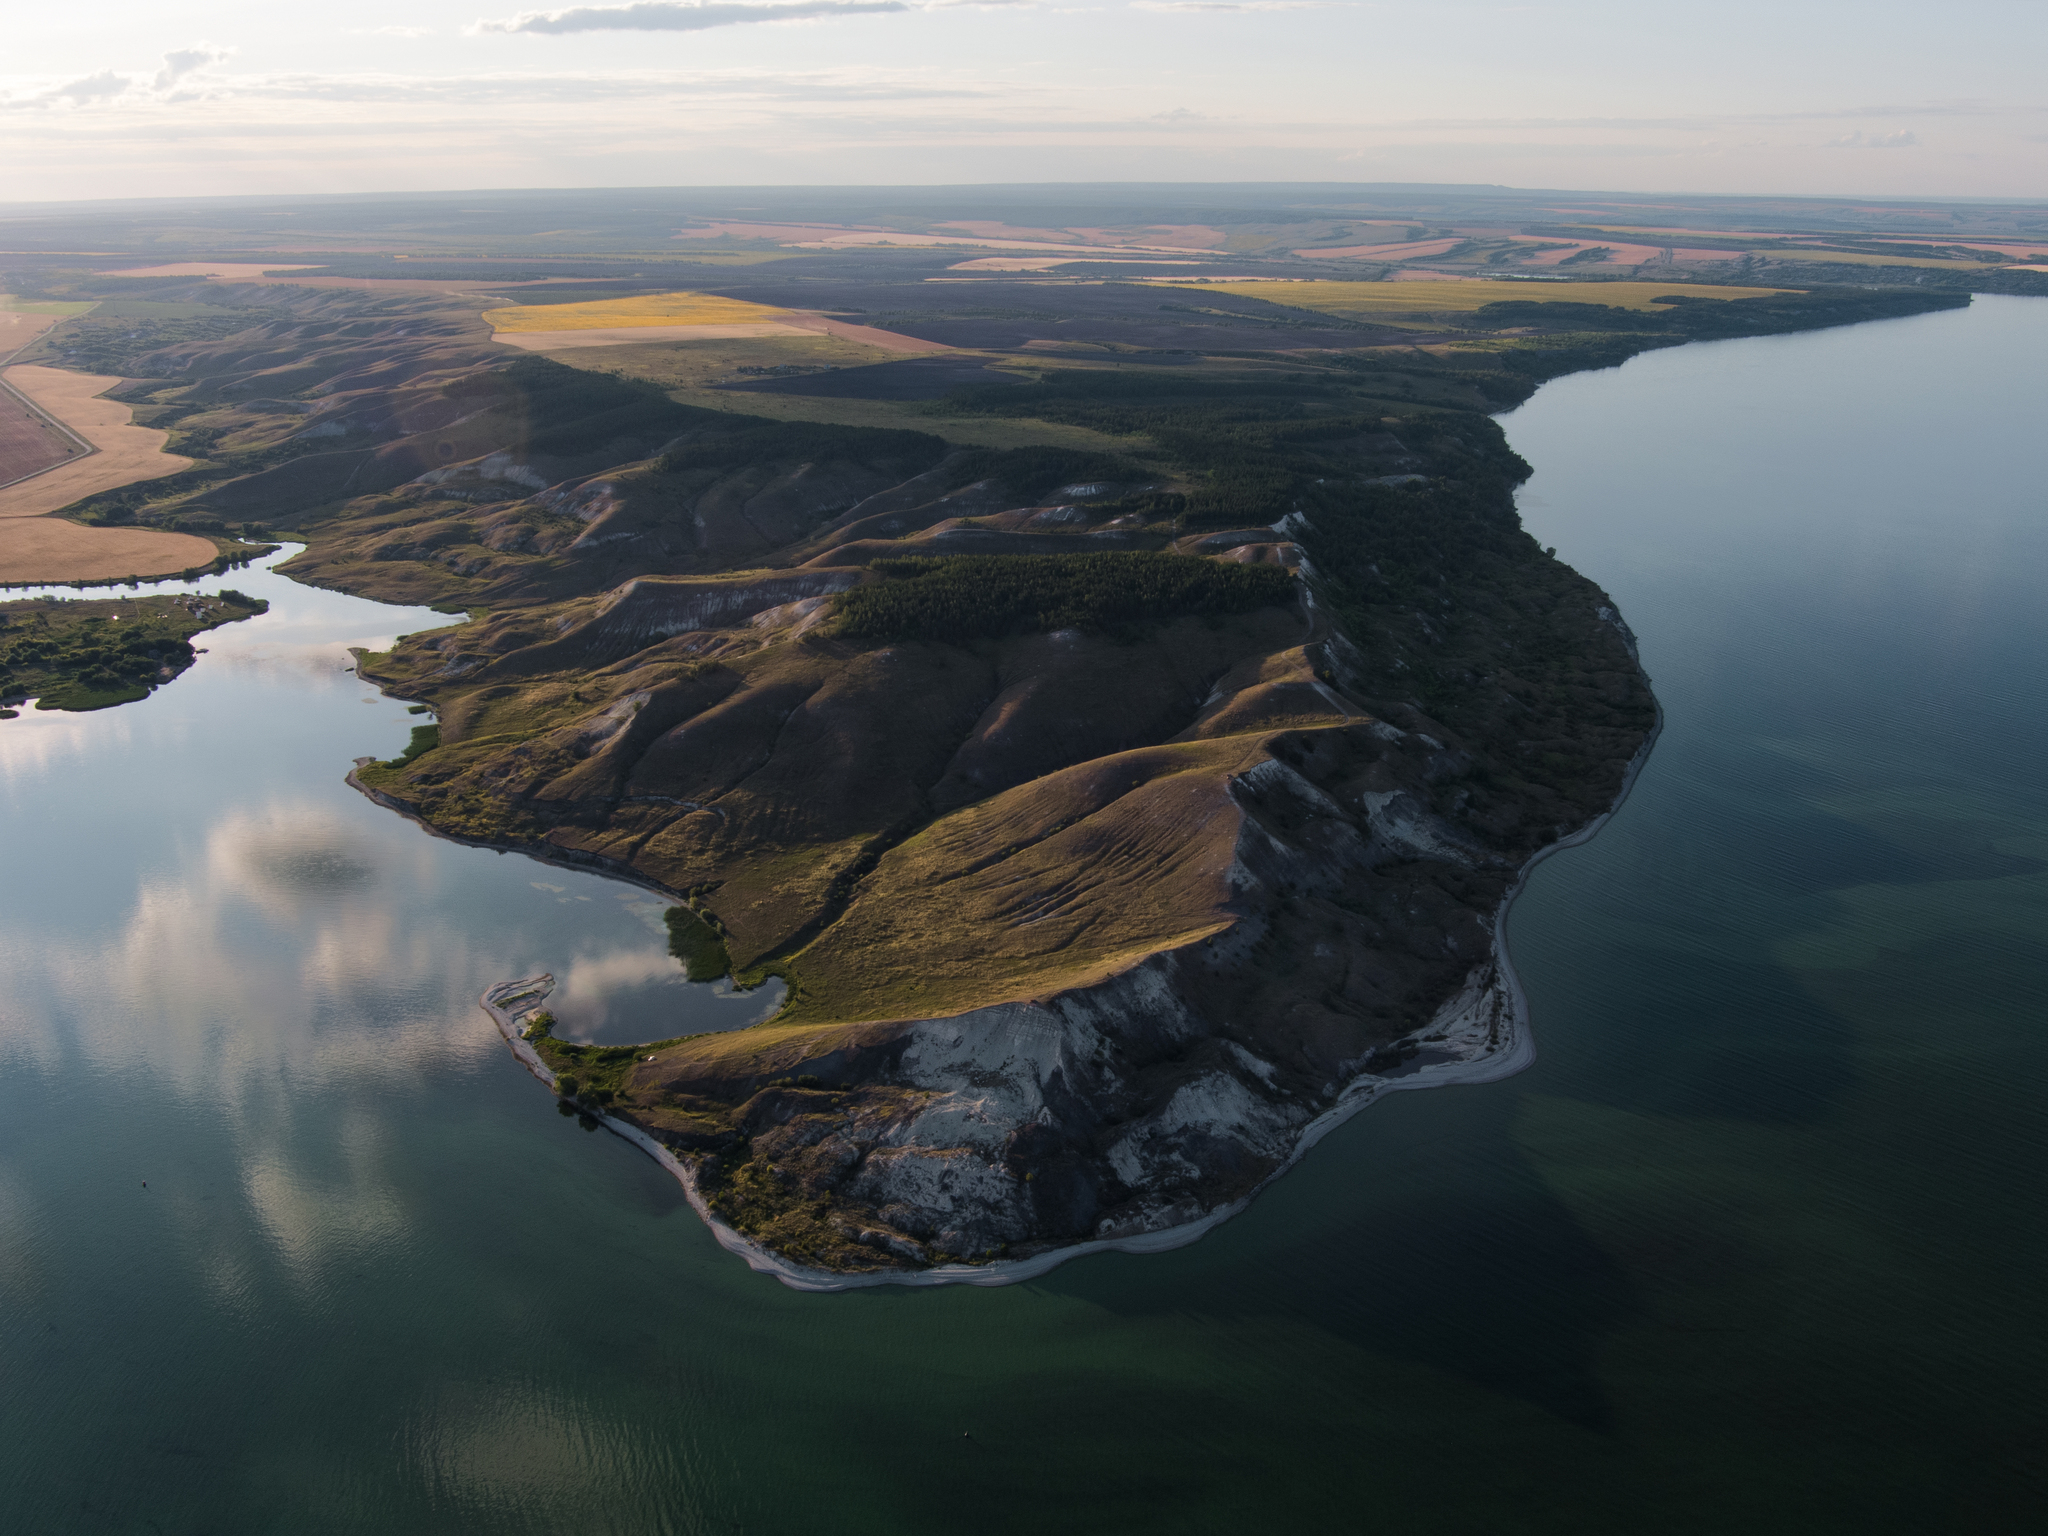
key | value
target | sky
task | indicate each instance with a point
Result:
(138, 98)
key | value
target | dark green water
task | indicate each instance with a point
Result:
(1756, 1245)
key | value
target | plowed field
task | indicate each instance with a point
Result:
(27, 445)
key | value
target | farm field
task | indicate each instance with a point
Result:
(643, 310)
(37, 547)
(18, 329)
(707, 357)
(1340, 298)
(126, 453)
(28, 444)
(48, 549)
(1863, 259)
(240, 271)
(566, 340)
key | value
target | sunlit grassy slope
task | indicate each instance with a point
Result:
(646, 309)
(1340, 298)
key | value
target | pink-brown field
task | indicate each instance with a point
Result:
(1622, 253)
(1159, 237)
(28, 446)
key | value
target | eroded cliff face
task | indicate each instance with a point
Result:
(1148, 1099)
(1327, 918)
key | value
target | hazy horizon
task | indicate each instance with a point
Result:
(120, 100)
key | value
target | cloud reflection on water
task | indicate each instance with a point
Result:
(249, 981)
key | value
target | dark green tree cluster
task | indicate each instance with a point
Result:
(696, 944)
(1029, 473)
(1246, 449)
(965, 597)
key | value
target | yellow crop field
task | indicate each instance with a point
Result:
(1339, 298)
(646, 309)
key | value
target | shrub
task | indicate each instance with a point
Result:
(424, 739)
(962, 597)
(1031, 472)
(697, 944)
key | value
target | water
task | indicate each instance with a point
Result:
(1754, 1245)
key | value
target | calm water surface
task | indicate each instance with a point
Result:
(1755, 1245)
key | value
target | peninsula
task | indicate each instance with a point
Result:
(1118, 707)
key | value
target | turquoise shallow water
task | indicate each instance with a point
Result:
(1756, 1244)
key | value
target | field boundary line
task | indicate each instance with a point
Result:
(34, 409)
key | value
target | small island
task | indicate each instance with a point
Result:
(92, 653)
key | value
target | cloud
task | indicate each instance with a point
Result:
(232, 99)
(103, 86)
(1903, 139)
(1234, 5)
(111, 86)
(664, 16)
(180, 62)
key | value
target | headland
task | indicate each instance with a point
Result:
(1119, 708)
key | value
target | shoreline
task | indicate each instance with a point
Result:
(1492, 996)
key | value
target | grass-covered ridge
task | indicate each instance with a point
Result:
(968, 597)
